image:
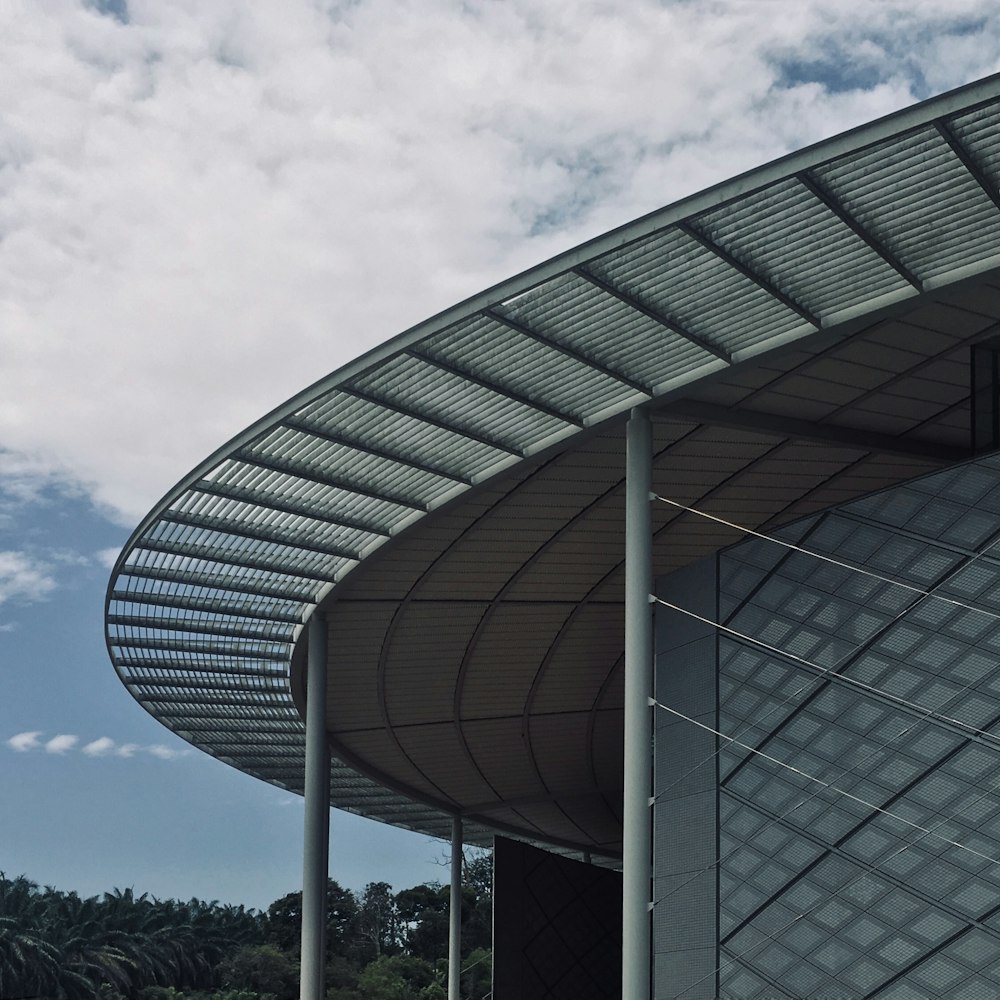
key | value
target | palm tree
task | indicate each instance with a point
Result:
(56, 946)
(29, 963)
(76, 928)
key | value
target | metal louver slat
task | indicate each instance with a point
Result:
(317, 475)
(267, 501)
(304, 427)
(224, 526)
(493, 386)
(234, 557)
(245, 584)
(182, 602)
(126, 625)
(507, 317)
(276, 652)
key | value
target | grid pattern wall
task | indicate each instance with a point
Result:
(685, 821)
(870, 866)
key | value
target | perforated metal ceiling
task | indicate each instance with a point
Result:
(453, 499)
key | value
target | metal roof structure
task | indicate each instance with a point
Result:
(452, 501)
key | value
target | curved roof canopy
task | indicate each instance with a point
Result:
(452, 501)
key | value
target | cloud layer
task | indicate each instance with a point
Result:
(103, 746)
(29, 576)
(23, 577)
(268, 190)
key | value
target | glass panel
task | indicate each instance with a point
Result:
(889, 698)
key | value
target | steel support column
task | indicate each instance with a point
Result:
(455, 911)
(637, 813)
(317, 818)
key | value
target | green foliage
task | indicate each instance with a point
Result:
(120, 946)
(477, 903)
(377, 925)
(159, 993)
(283, 924)
(477, 974)
(227, 995)
(423, 917)
(260, 969)
(113, 947)
(390, 977)
(434, 991)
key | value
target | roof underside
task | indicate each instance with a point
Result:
(454, 500)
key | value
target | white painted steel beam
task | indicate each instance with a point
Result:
(455, 911)
(315, 865)
(637, 812)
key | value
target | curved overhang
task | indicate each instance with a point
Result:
(452, 501)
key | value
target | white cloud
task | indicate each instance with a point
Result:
(25, 741)
(61, 743)
(67, 557)
(103, 746)
(23, 577)
(8, 627)
(264, 189)
(107, 557)
(24, 478)
(100, 747)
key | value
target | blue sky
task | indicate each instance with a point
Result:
(101, 795)
(266, 191)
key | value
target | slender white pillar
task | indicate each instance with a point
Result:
(637, 813)
(317, 818)
(455, 911)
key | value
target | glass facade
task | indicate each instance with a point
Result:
(859, 839)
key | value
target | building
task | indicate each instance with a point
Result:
(436, 536)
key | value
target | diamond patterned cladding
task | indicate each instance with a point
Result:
(869, 932)
(813, 624)
(810, 615)
(959, 801)
(934, 775)
(975, 955)
(763, 858)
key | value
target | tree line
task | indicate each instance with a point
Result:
(381, 944)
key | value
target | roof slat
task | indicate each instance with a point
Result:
(691, 230)
(237, 529)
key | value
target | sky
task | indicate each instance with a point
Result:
(206, 207)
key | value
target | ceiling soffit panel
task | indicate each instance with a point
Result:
(800, 332)
(499, 746)
(421, 660)
(573, 674)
